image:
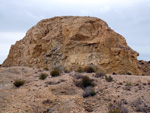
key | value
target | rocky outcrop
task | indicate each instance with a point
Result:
(144, 66)
(72, 42)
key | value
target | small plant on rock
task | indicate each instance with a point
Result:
(19, 83)
(108, 78)
(55, 73)
(43, 76)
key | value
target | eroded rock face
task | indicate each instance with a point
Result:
(72, 42)
(144, 66)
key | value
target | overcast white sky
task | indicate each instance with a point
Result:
(130, 18)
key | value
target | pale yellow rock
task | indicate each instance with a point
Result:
(72, 42)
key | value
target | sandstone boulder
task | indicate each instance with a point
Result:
(71, 42)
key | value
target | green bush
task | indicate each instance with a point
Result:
(110, 105)
(80, 70)
(92, 93)
(89, 69)
(108, 78)
(46, 69)
(114, 111)
(129, 73)
(19, 83)
(85, 82)
(43, 76)
(55, 73)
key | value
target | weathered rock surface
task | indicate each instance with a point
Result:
(144, 66)
(72, 42)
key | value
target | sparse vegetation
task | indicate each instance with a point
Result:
(85, 82)
(110, 105)
(128, 84)
(114, 111)
(19, 83)
(117, 107)
(89, 69)
(148, 82)
(92, 93)
(128, 73)
(80, 70)
(114, 73)
(108, 78)
(46, 69)
(55, 73)
(140, 106)
(43, 76)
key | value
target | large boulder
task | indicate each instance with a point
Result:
(71, 42)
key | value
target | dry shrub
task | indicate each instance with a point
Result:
(55, 73)
(85, 82)
(108, 78)
(89, 69)
(43, 76)
(19, 83)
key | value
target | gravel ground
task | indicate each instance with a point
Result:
(129, 93)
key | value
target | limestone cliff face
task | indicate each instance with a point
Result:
(72, 42)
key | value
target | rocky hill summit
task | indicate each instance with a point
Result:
(71, 42)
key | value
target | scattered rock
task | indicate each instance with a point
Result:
(48, 101)
(140, 106)
(124, 101)
(49, 110)
(99, 75)
(89, 91)
(128, 88)
(88, 108)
